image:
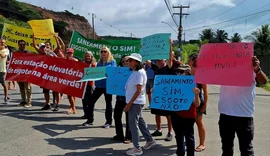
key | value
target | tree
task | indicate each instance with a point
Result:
(236, 38)
(221, 36)
(189, 49)
(207, 34)
(261, 40)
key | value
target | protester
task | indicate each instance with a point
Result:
(183, 121)
(89, 59)
(71, 99)
(118, 111)
(41, 49)
(150, 81)
(236, 108)
(161, 68)
(192, 62)
(4, 52)
(10, 83)
(106, 59)
(135, 99)
(25, 87)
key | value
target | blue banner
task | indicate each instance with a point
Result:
(155, 46)
(116, 80)
(173, 92)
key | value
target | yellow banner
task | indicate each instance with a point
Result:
(12, 34)
(42, 28)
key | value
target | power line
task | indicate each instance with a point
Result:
(170, 11)
(256, 26)
(222, 12)
(229, 20)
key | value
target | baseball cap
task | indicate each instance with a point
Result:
(135, 56)
(70, 50)
(41, 45)
(183, 67)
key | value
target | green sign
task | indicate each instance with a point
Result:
(81, 44)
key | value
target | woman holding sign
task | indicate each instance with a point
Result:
(89, 59)
(135, 99)
(192, 61)
(118, 111)
(106, 59)
(183, 121)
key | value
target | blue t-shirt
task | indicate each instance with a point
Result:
(149, 72)
(102, 83)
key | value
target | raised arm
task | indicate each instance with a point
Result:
(63, 46)
(261, 78)
(58, 46)
(35, 43)
(170, 61)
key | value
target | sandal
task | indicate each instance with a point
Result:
(200, 148)
(70, 111)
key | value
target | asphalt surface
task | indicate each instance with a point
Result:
(32, 132)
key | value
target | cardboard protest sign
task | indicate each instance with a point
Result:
(12, 34)
(225, 64)
(81, 44)
(172, 92)
(42, 28)
(116, 80)
(94, 74)
(57, 74)
(155, 46)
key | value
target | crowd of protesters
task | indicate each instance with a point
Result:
(236, 104)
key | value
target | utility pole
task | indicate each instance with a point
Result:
(180, 28)
(93, 25)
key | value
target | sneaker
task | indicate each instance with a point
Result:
(107, 125)
(46, 107)
(149, 144)
(22, 103)
(157, 133)
(27, 105)
(56, 108)
(87, 124)
(169, 137)
(147, 108)
(134, 151)
(6, 100)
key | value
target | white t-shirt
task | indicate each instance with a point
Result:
(237, 101)
(137, 77)
(3, 61)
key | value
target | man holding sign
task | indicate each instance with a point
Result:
(236, 108)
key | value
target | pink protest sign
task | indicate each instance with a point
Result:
(225, 64)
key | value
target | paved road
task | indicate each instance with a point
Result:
(32, 132)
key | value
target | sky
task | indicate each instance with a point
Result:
(141, 18)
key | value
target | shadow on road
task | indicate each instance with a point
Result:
(88, 143)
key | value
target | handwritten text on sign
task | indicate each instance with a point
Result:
(225, 64)
(156, 46)
(12, 34)
(94, 74)
(173, 93)
(116, 80)
(42, 28)
(57, 74)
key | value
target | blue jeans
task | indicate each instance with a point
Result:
(184, 129)
(243, 127)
